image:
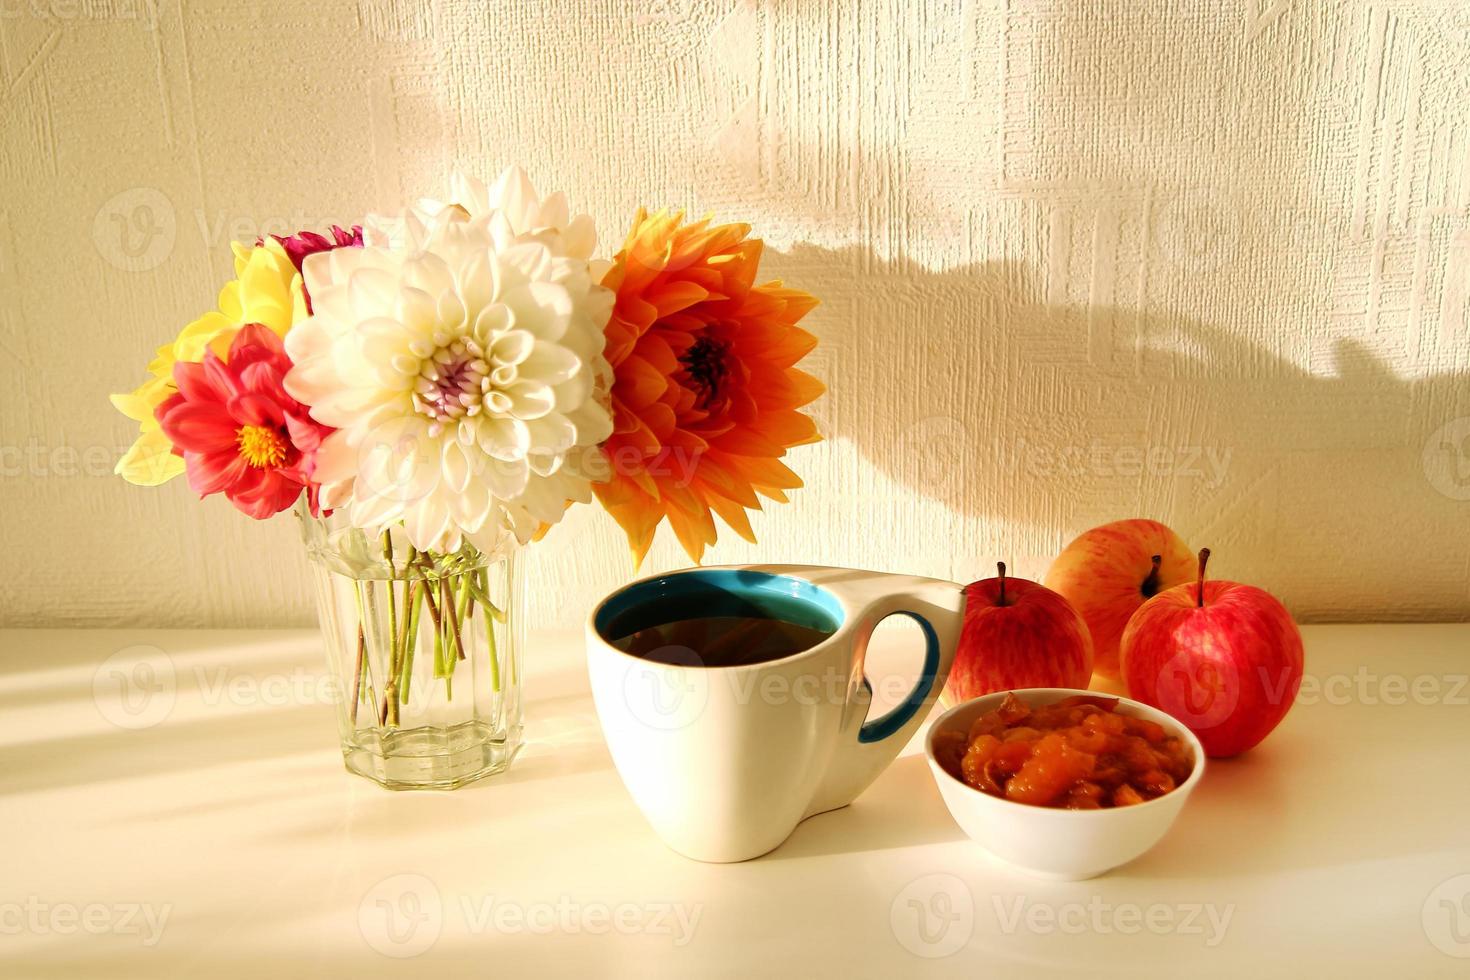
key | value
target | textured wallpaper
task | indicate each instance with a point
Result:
(1201, 260)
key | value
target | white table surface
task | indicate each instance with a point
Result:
(225, 839)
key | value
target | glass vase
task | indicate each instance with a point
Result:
(425, 651)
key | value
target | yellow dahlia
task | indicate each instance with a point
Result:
(266, 290)
(706, 392)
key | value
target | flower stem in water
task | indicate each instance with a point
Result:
(411, 640)
(357, 686)
(446, 604)
(390, 695)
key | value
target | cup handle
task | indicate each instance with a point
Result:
(868, 745)
(901, 714)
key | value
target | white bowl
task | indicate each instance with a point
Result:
(1055, 843)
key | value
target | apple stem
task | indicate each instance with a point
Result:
(1001, 567)
(1151, 583)
(1204, 559)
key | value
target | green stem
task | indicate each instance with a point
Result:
(402, 639)
(482, 595)
(390, 696)
(494, 652)
(467, 608)
(357, 674)
(371, 679)
(439, 669)
(510, 591)
(479, 585)
(411, 641)
(433, 606)
(463, 588)
(446, 604)
(441, 643)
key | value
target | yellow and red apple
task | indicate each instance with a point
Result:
(1108, 572)
(1017, 634)
(1223, 658)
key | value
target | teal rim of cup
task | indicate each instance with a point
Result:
(769, 592)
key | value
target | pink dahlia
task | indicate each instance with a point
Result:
(304, 243)
(238, 431)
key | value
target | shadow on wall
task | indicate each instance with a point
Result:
(1344, 494)
(1014, 405)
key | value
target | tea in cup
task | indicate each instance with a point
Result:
(734, 701)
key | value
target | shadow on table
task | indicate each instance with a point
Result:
(1252, 788)
(195, 701)
(1246, 817)
(196, 745)
(908, 812)
(198, 702)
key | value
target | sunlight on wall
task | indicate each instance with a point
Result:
(1203, 261)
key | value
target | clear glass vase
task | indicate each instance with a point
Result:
(425, 650)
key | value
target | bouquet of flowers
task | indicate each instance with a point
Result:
(437, 386)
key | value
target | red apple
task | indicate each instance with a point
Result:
(1108, 572)
(1017, 634)
(1223, 658)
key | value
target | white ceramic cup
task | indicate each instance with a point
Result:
(725, 761)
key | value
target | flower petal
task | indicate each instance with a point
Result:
(213, 472)
(150, 461)
(456, 466)
(503, 437)
(550, 363)
(200, 427)
(254, 409)
(544, 308)
(512, 347)
(530, 399)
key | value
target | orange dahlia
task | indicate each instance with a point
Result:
(705, 392)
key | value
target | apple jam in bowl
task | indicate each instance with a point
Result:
(1063, 783)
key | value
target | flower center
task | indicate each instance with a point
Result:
(706, 365)
(261, 446)
(452, 381)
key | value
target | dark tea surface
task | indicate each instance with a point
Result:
(720, 641)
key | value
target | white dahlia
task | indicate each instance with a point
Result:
(514, 211)
(462, 367)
